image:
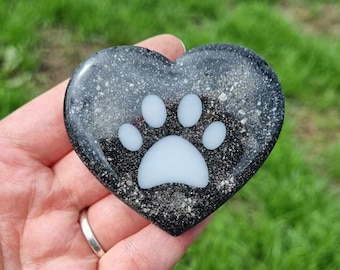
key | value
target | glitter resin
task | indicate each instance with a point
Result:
(174, 140)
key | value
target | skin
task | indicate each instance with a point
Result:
(44, 187)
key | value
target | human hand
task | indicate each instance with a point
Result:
(44, 187)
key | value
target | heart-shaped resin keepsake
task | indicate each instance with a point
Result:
(174, 140)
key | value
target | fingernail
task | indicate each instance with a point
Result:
(184, 49)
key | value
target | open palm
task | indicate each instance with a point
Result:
(44, 186)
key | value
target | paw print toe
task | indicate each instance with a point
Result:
(153, 111)
(189, 110)
(130, 137)
(214, 135)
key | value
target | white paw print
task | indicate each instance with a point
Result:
(172, 159)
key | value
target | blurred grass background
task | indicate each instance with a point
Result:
(287, 216)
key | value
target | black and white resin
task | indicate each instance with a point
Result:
(174, 140)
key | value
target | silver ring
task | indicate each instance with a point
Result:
(88, 233)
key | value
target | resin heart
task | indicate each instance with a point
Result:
(174, 140)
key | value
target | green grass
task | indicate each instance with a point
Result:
(287, 216)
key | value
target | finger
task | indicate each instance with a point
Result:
(38, 127)
(109, 217)
(166, 44)
(113, 221)
(150, 248)
(77, 183)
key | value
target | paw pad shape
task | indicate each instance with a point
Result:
(172, 159)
